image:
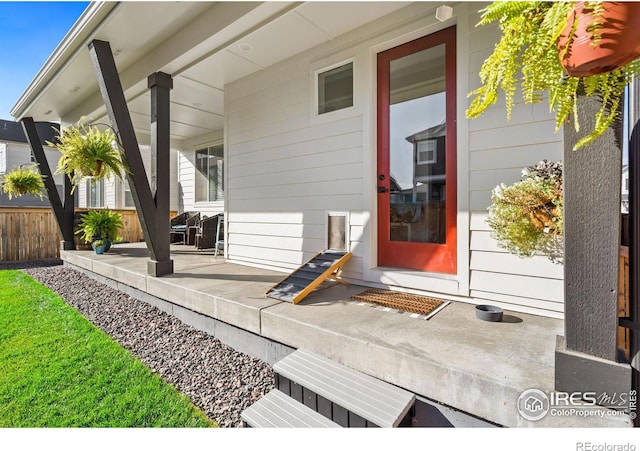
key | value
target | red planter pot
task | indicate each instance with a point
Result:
(620, 43)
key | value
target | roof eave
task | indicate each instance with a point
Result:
(71, 44)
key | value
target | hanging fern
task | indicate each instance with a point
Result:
(526, 60)
(88, 152)
(24, 180)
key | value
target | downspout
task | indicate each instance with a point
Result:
(633, 322)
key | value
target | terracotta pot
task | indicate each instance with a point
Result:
(619, 44)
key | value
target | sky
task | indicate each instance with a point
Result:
(29, 32)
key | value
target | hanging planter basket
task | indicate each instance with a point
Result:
(23, 180)
(597, 42)
(542, 218)
(88, 152)
(526, 217)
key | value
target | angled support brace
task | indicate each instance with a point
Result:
(63, 212)
(153, 216)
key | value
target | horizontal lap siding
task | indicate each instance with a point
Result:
(498, 150)
(286, 170)
(186, 179)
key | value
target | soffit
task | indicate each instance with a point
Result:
(152, 32)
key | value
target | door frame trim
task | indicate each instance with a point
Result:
(442, 257)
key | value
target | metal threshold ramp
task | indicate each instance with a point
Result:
(324, 265)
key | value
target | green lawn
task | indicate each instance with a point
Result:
(58, 370)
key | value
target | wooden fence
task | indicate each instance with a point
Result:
(624, 337)
(28, 234)
(33, 234)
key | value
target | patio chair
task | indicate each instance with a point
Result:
(211, 234)
(180, 225)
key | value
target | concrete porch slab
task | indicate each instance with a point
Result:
(455, 359)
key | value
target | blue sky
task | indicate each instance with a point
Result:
(29, 32)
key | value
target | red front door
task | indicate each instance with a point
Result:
(417, 154)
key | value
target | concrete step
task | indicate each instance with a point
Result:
(277, 410)
(346, 396)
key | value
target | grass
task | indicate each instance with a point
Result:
(58, 370)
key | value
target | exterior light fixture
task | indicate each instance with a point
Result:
(444, 13)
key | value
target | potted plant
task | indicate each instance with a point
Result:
(529, 54)
(99, 246)
(100, 225)
(88, 152)
(599, 37)
(23, 180)
(526, 217)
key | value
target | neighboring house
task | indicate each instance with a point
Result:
(283, 114)
(15, 151)
(624, 195)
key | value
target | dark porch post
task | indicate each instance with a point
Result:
(62, 212)
(160, 85)
(586, 355)
(116, 105)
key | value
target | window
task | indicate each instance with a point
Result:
(427, 151)
(95, 193)
(128, 197)
(335, 89)
(210, 174)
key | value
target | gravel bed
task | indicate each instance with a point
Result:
(219, 380)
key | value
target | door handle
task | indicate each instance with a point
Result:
(382, 189)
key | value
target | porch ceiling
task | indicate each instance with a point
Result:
(203, 45)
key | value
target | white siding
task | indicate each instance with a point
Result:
(3, 158)
(286, 167)
(285, 172)
(498, 150)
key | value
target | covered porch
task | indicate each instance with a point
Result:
(481, 371)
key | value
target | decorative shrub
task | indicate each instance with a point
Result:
(526, 217)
